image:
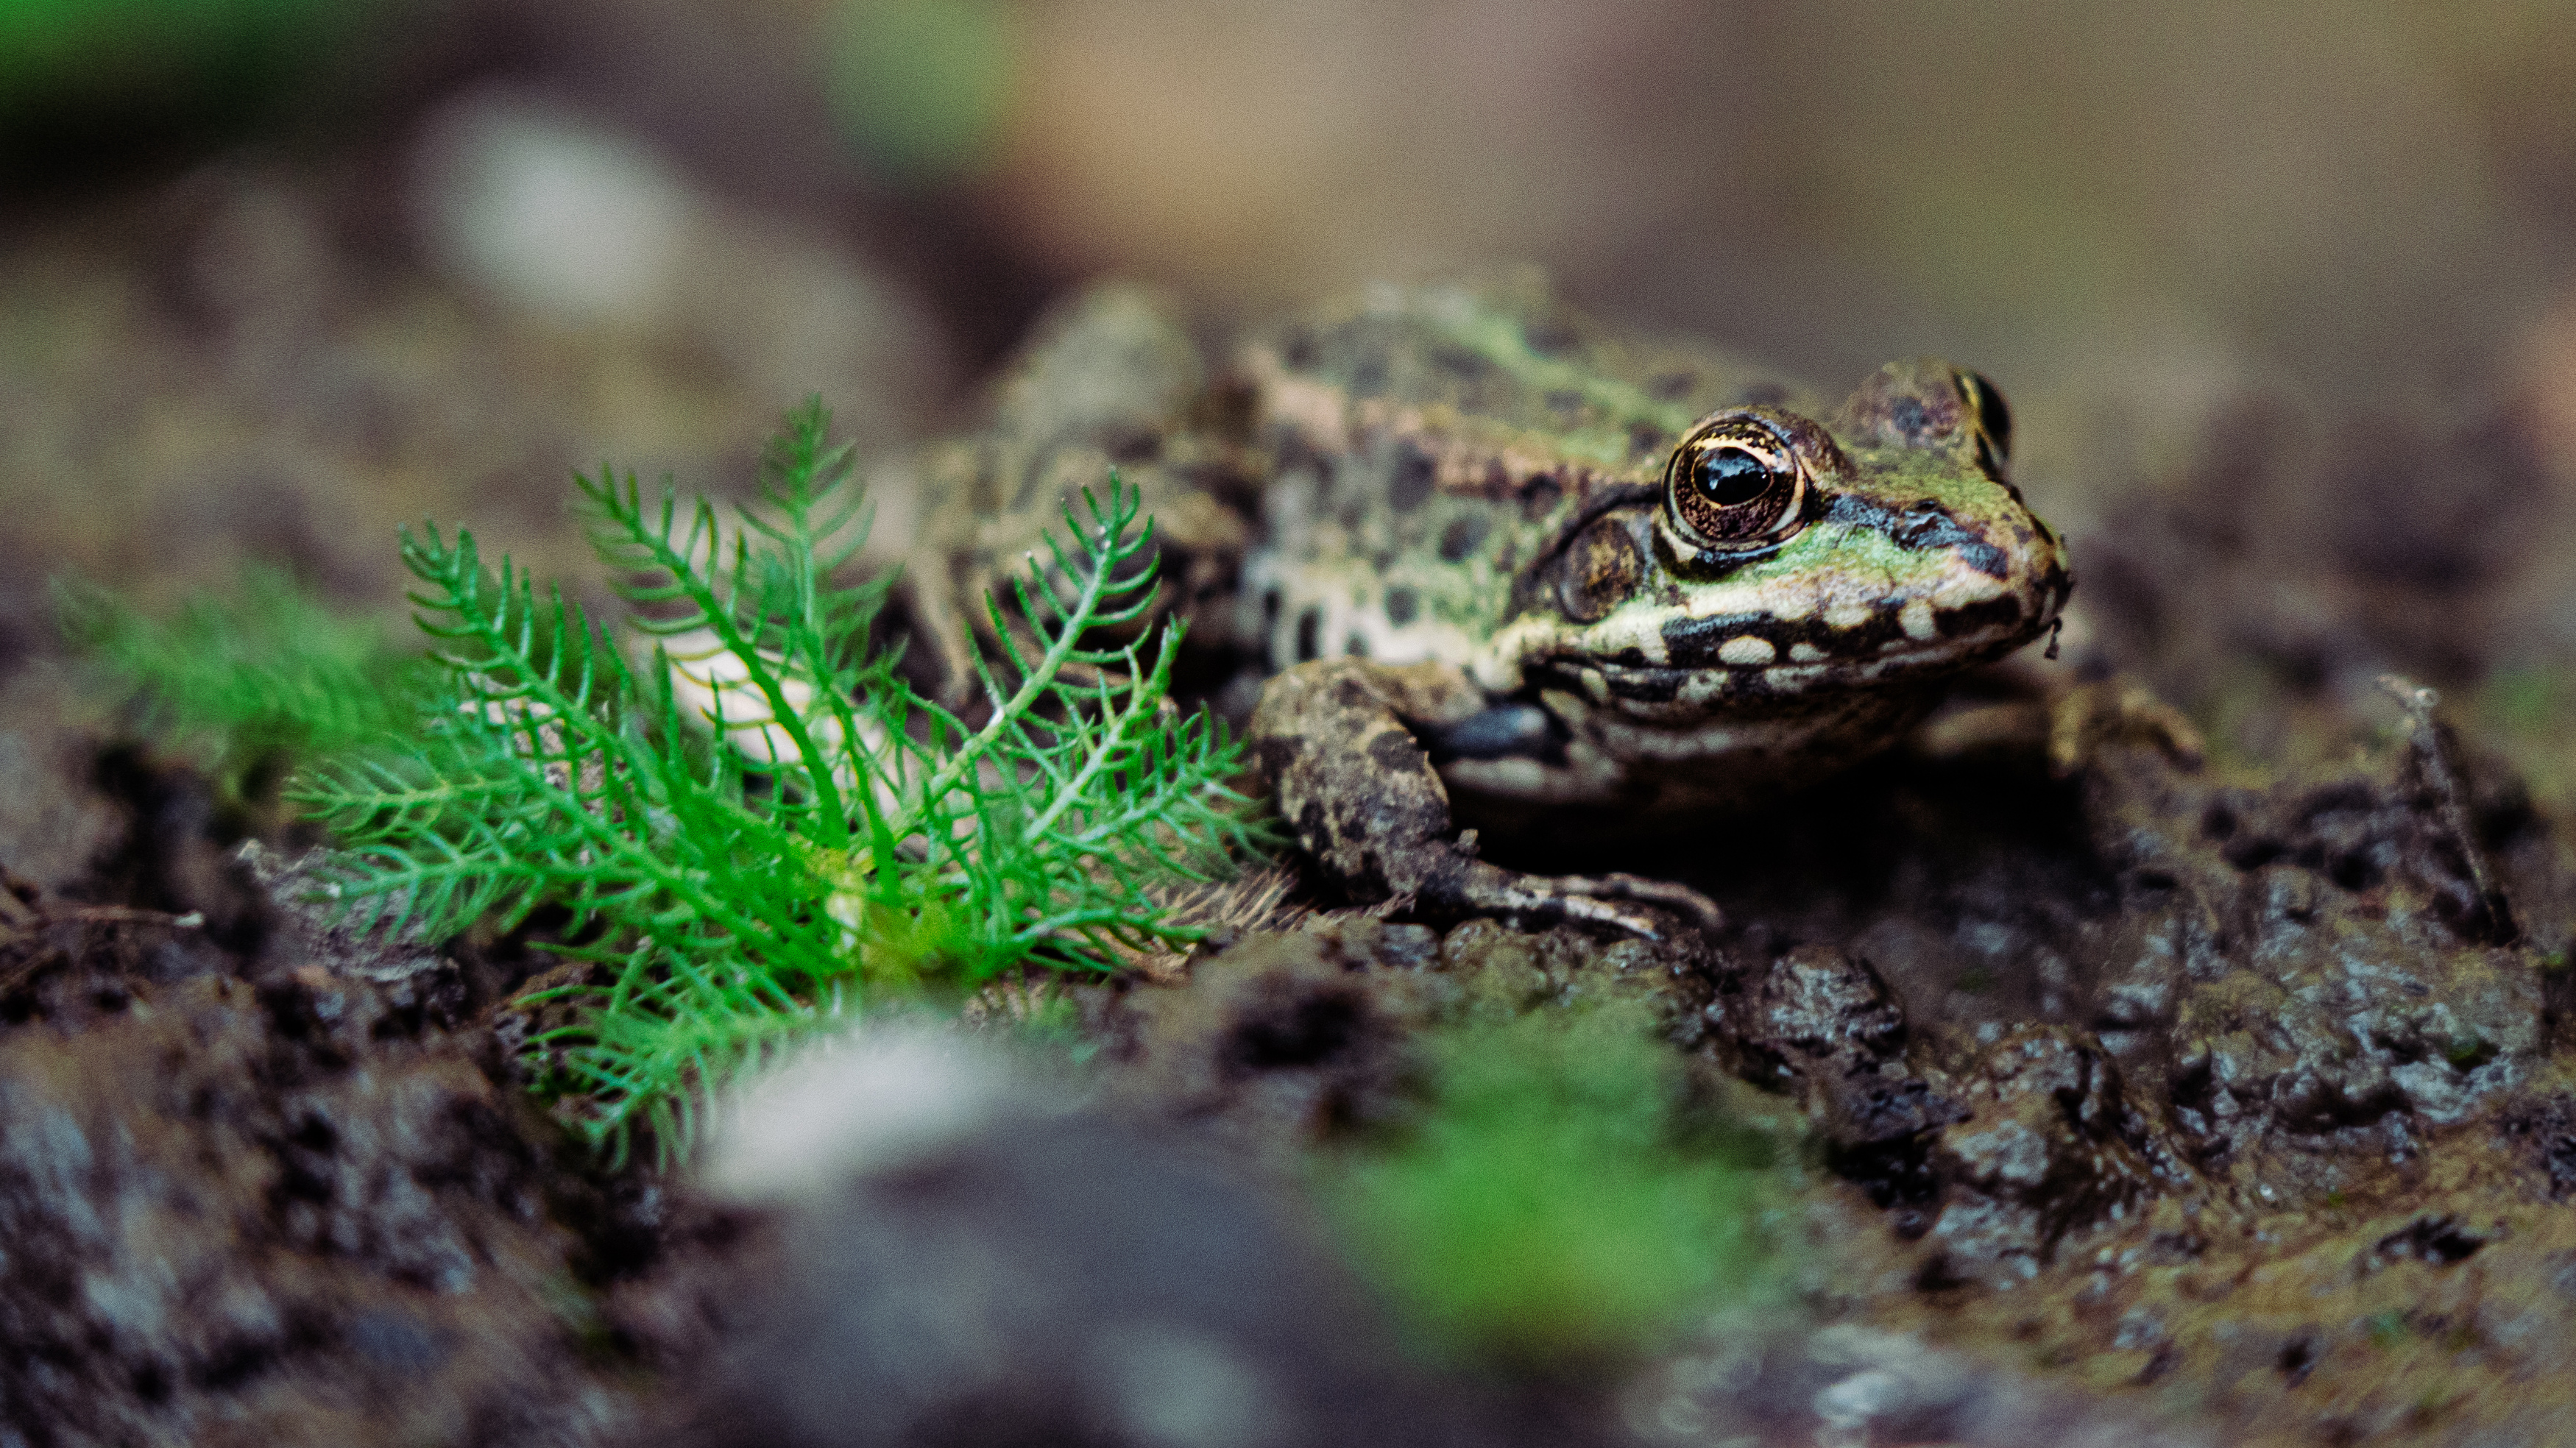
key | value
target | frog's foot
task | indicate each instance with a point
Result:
(1631, 903)
(1681, 900)
(1336, 738)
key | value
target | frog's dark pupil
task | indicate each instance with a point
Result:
(1731, 477)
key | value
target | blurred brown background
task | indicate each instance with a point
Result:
(2282, 294)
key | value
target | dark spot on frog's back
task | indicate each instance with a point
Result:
(1462, 536)
(1403, 605)
(1132, 445)
(1296, 455)
(1648, 441)
(1460, 363)
(1368, 377)
(1763, 394)
(1919, 527)
(1550, 336)
(1310, 635)
(1415, 472)
(1275, 754)
(1672, 386)
(1396, 752)
(1297, 349)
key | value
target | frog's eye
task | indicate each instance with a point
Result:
(1735, 480)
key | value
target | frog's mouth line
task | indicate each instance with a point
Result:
(1914, 631)
(1785, 680)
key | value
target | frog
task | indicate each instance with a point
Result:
(1488, 569)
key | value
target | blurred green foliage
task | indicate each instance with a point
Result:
(248, 684)
(1563, 1200)
(2528, 713)
(922, 86)
(108, 61)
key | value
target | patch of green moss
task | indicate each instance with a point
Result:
(1561, 1199)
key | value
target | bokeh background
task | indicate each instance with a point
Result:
(2285, 295)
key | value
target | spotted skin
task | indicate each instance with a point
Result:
(1459, 539)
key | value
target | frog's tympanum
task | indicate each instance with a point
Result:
(1508, 568)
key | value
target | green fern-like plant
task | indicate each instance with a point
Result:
(746, 818)
(238, 684)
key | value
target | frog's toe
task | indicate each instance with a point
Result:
(1682, 900)
(1625, 900)
(1642, 923)
(1639, 906)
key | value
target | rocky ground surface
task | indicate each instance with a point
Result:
(2146, 1085)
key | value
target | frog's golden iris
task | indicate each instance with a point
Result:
(1736, 480)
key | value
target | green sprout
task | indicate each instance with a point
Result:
(747, 821)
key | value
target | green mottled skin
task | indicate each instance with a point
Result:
(1435, 519)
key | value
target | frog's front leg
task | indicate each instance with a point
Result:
(1337, 739)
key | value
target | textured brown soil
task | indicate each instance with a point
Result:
(2223, 1094)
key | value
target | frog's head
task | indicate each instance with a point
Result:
(1784, 558)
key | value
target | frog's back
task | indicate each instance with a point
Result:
(1502, 366)
(1426, 442)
